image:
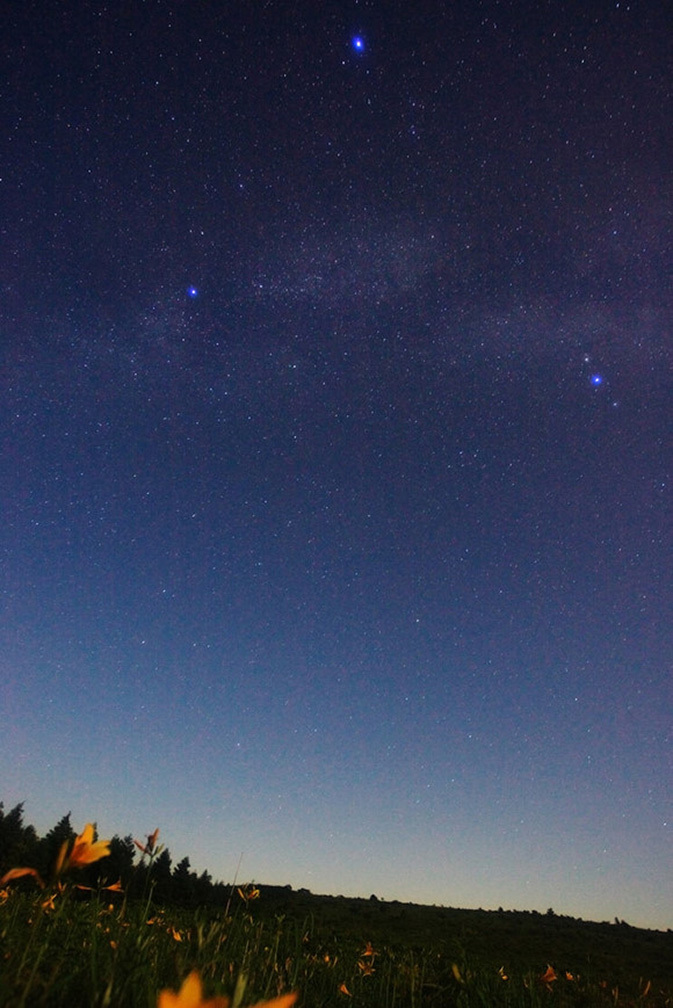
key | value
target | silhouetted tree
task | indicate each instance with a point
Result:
(162, 876)
(203, 888)
(181, 870)
(18, 843)
(20, 846)
(119, 863)
(184, 883)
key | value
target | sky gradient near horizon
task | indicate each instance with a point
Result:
(337, 442)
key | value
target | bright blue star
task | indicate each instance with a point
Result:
(192, 292)
(358, 43)
(596, 380)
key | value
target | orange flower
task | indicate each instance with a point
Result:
(15, 873)
(190, 995)
(49, 903)
(84, 851)
(344, 990)
(249, 893)
(549, 975)
(115, 887)
(150, 847)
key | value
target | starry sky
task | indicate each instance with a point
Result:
(337, 432)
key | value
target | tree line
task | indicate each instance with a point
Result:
(139, 867)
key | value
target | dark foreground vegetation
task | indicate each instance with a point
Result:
(114, 923)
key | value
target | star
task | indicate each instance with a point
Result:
(192, 292)
(358, 43)
(596, 380)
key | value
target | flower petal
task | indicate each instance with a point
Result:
(15, 873)
(284, 1001)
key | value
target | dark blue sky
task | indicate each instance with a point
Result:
(336, 458)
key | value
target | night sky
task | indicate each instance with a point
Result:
(337, 430)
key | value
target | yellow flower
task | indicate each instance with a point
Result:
(190, 995)
(84, 851)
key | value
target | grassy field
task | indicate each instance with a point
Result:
(80, 939)
(75, 947)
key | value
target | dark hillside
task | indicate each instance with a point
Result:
(517, 940)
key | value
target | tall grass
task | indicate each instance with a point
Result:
(96, 951)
